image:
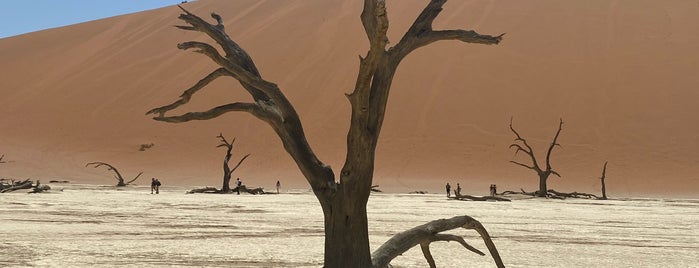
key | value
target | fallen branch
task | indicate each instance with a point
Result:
(465, 197)
(425, 234)
(27, 184)
(39, 188)
(214, 190)
(572, 195)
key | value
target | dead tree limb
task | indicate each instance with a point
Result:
(604, 188)
(556, 194)
(1, 161)
(26, 184)
(343, 202)
(465, 197)
(120, 180)
(425, 234)
(521, 145)
(227, 171)
(39, 188)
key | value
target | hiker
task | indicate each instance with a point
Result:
(493, 190)
(157, 186)
(458, 190)
(279, 185)
(152, 185)
(448, 190)
(238, 183)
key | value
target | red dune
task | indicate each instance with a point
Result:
(621, 74)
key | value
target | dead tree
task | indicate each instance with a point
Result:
(1, 161)
(343, 202)
(543, 173)
(227, 171)
(604, 188)
(121, 182)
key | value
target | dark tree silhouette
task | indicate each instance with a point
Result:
(227, 171)
(604, 188)
(1, 161)
(120, 180)
(524, 147)
(344, 201)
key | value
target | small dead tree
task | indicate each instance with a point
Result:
(227, 171)
(121, 182)
(524, 147)
(604, 188)
(343, 202)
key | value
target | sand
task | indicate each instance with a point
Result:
(621, 74)
(98, 226)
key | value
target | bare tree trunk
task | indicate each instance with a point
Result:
(542, 185)
(604, 188)
(346, 234)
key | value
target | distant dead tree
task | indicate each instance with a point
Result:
(604, 188)
(227, 171)
(524, 147)
(344, 201)
(118, 176)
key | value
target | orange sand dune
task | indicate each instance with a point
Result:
(622, 75)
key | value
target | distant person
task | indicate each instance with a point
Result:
(152, 185)
(448, 190)
(495, 190)
(279, 185)
(157, 186)
(458, 189)
(238, 183)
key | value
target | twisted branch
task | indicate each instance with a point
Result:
(425, 234)
(118, 176)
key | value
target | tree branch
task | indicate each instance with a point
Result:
(518, 163)
(213, 113)
(421, 33)
(187, 94)
(135, 178)
(270, 104)
(553, 144)
(109, 167)
(237, 165)
(429, 232)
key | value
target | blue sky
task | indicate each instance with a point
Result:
(23, 16)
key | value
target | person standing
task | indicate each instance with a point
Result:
(157, 186)
(279, 185)
(238, 183)
(448, 190)
(152, 185)
(458, 189)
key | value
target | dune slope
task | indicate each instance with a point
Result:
(621, 74)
